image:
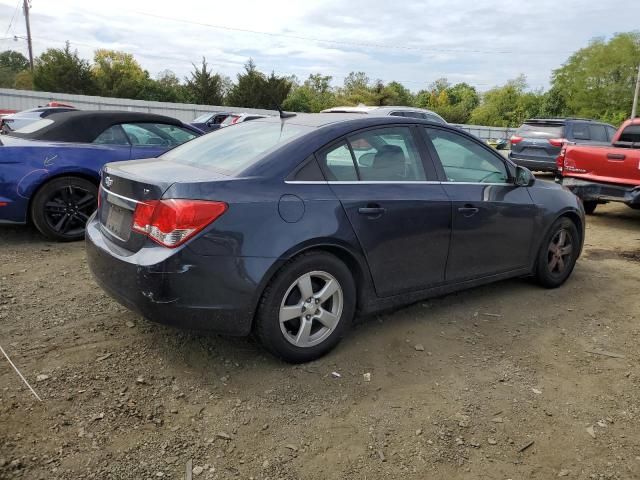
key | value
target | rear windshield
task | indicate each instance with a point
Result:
(231, 150)
(536, 130)
(630, 134)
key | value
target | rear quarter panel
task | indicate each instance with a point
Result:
(603, 164)
(26, 167)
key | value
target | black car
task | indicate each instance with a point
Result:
(289, 227)
(537, 143)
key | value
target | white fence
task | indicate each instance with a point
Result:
(24, 99)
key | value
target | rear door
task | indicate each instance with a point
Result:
(493, 219)
(397, 208)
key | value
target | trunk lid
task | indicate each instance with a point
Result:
(125, 185)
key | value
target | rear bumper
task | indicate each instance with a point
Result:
(178, 287)
(543, 165)
(603, 192)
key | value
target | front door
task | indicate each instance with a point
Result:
(493, 219)
(400, 214)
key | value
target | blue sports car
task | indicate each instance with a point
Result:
(50, 169)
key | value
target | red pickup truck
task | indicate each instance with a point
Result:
(604, 174)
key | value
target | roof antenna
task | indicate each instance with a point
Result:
(284, 114)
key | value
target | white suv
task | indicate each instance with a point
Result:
(392, 111)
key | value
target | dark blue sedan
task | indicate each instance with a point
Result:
(289, 227)
(50, 169)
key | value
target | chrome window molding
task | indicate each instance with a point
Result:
(382, 182)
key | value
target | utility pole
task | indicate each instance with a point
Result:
(25, 9)
(634, 110)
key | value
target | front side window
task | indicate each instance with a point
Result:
(464, 160)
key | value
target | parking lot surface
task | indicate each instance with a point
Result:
(504, 381)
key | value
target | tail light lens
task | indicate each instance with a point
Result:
(560, 160)
(515, 139)
(99, 194)
(172, 222)
(557, 142)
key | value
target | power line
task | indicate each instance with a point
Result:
(347, 43)
(12, 17)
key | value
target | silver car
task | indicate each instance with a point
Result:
(389, 111)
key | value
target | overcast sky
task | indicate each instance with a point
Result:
(482, 42)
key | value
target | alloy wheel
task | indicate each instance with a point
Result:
(68, 209)
(311, 309)
(560, 251)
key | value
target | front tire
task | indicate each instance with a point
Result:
(61, 208)
(558, 253)
(307, 307)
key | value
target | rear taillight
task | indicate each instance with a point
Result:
(172, 222)
(99, 194)
(560, 159)
(557, 142)
(515, 139)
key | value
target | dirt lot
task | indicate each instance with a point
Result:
(504, 388)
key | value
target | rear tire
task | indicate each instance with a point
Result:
(62, 206)
(558, 253)
(307, 307)
(590, 206)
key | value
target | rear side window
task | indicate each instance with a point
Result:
(630, 134)
(113, 135)
(580, 131)
(339, 163)
(156, 134)
(540, 130)
(387, 154)
(610, 132)
(598, 133)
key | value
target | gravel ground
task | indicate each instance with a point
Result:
(497, 382)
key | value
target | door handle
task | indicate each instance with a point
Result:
(372, 210)
(616, 156)
(468, 210)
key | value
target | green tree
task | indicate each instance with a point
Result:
(509, 105)
(314, 95)
(118, 74)
(356, 90)
(253, 89)
(13, 61)
(62, 70)
(398, 94)
(205, 87)
(598, 81)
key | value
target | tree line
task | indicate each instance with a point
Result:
(595, 82)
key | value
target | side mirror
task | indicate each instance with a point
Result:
(524, 177)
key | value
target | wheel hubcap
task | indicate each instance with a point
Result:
(560, 251)
(68, 209)
(311, 309)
